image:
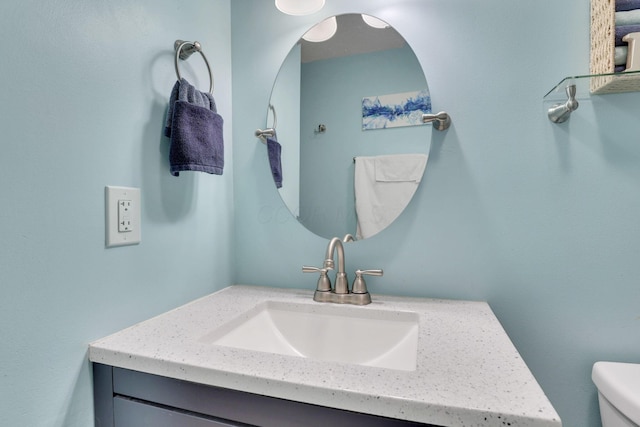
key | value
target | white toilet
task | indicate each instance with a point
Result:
(618, 393)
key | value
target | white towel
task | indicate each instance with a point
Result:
(400, 167)
(629, 17)
(384, 186)
(620, 55)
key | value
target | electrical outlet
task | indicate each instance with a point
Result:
(122, 216)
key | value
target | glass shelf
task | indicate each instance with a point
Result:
(595, 84)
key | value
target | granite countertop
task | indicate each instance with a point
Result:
(468, 371)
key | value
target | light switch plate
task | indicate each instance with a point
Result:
(129, 232)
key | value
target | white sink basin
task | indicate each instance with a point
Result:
(360, 335)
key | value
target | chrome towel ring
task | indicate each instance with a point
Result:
(184, 50)
(264, 133)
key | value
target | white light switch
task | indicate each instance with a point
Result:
(122, 216)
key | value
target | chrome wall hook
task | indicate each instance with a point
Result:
(560, 113)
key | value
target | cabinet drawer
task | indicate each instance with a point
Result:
(236, 406)
(131, 413)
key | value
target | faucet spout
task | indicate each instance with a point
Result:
(340, 293)
(341, 283)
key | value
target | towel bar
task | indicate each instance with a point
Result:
(184, 50)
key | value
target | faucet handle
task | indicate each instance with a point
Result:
(324, 283)
(359, 285)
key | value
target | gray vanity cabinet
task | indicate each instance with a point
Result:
(125, 398)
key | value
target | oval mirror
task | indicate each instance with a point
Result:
(347, 114)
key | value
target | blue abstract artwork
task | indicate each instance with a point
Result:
(395, 110)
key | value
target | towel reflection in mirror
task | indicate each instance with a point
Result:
(384, 186)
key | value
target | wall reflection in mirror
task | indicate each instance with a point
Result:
(320, 150)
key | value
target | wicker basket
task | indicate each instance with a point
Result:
(603, 50)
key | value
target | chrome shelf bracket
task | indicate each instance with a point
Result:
(560, 113)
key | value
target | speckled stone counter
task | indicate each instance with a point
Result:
(468, 371)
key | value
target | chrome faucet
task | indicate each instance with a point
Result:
(342, 283)
(340, 294)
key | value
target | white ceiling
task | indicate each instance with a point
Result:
(353, 36)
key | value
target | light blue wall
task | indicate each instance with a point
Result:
(538, 219)
(332, 92)
(84, 85)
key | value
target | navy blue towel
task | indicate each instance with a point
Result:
(195, 129)
(623, 30)
(196, 140)
(624, 5)
(274, 150)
